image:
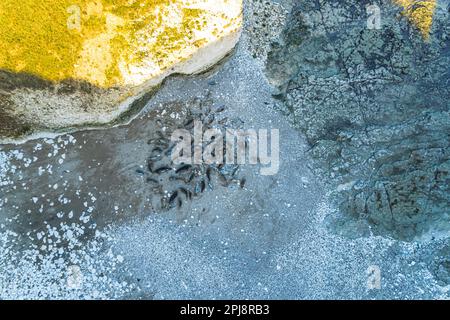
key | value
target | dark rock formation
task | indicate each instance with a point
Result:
(374, 106)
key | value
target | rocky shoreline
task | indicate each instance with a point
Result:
(33, 103)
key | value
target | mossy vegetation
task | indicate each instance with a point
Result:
(420, 13)
(105, 42)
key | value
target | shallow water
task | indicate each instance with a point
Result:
(79, 218)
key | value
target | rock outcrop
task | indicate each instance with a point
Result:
(374, 105)
(66, 64)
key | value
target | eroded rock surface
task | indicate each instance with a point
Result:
(374, 105)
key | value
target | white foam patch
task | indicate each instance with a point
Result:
(47, 272)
